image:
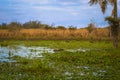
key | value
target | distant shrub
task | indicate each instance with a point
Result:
(14, 26)
(3, 26)
(72, 28)
(90, 27)
(61, 27)
(32, 24)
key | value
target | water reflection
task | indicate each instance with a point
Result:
(6, 53)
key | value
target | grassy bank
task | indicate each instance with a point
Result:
(100, 62)
(67, 44)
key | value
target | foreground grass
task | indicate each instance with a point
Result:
(102, 62)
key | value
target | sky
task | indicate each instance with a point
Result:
(58, 12)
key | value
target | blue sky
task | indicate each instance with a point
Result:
(60, 12)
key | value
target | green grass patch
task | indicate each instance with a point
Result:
(101, 62)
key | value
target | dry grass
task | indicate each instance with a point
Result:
(100, 34)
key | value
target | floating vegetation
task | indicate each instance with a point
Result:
(58, 60)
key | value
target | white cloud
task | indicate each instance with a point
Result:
(74, 13)
(53, 10)
(84, 1)
(48, 8)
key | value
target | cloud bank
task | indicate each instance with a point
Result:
(60, 12)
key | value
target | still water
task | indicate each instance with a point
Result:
(7, 52)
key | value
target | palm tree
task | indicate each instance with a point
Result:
(113, 19)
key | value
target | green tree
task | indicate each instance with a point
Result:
(32, 24)
(115, 26)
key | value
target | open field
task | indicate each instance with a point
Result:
(57, 34)
(59, 40)
(70, 60)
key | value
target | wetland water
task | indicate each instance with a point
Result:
(7, 52)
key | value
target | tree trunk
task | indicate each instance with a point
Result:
(114, 32)
(115, 27)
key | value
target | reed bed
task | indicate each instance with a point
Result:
(57, 34)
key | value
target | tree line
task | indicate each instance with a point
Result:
(33, 25)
